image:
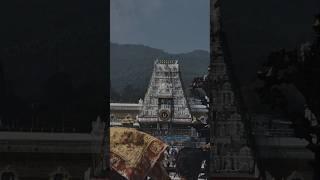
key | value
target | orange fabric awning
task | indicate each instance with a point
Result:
(135, 154)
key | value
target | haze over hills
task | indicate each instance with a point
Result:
(132, 65)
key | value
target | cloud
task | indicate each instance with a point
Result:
(127, 16)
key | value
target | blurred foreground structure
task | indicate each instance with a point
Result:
(243, 146)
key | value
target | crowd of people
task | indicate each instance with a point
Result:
(170, 156)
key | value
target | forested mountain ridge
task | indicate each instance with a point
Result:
(131, 67)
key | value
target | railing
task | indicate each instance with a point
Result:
(158, 132)
(275, 132)
(47, 130)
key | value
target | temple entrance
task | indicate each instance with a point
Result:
(8, 176)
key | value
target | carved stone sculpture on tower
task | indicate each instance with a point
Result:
(228, 125)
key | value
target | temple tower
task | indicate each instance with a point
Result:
(231, 156)
(165, 107)
(2, 92)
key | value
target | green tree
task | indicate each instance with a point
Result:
(299, 68)
(114, 95)
(131, 94)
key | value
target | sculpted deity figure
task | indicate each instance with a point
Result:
(246, 162)
(221, 130)
(162, 87)
(140, 101)
(228, 162)
(217, 164)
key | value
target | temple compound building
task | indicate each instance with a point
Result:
(49, 155)
(168, 113)
(165, 108)
(165, 112)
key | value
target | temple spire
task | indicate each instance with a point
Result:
(230, 156)
(216, 32)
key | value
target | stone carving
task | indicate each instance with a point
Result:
(239, 129)
(269, 176)
(217, 163)
(186, 112)
(236, 162)
(9, 173)
(244, 166)
(228, 162)
(60, 173)
(140, 101)
(310, 116)
(224, 102)
(295, 176)
(165, 85)
(233, 129)
(246, 162)
(165, 88)
(221, 130)
(97, 126)
(227, 86)
(245, 151)
(203, 119)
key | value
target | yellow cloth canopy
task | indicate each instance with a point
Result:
(135, 154)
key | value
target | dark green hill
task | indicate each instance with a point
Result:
(133, 64)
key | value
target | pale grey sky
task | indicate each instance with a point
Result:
(176, 26)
